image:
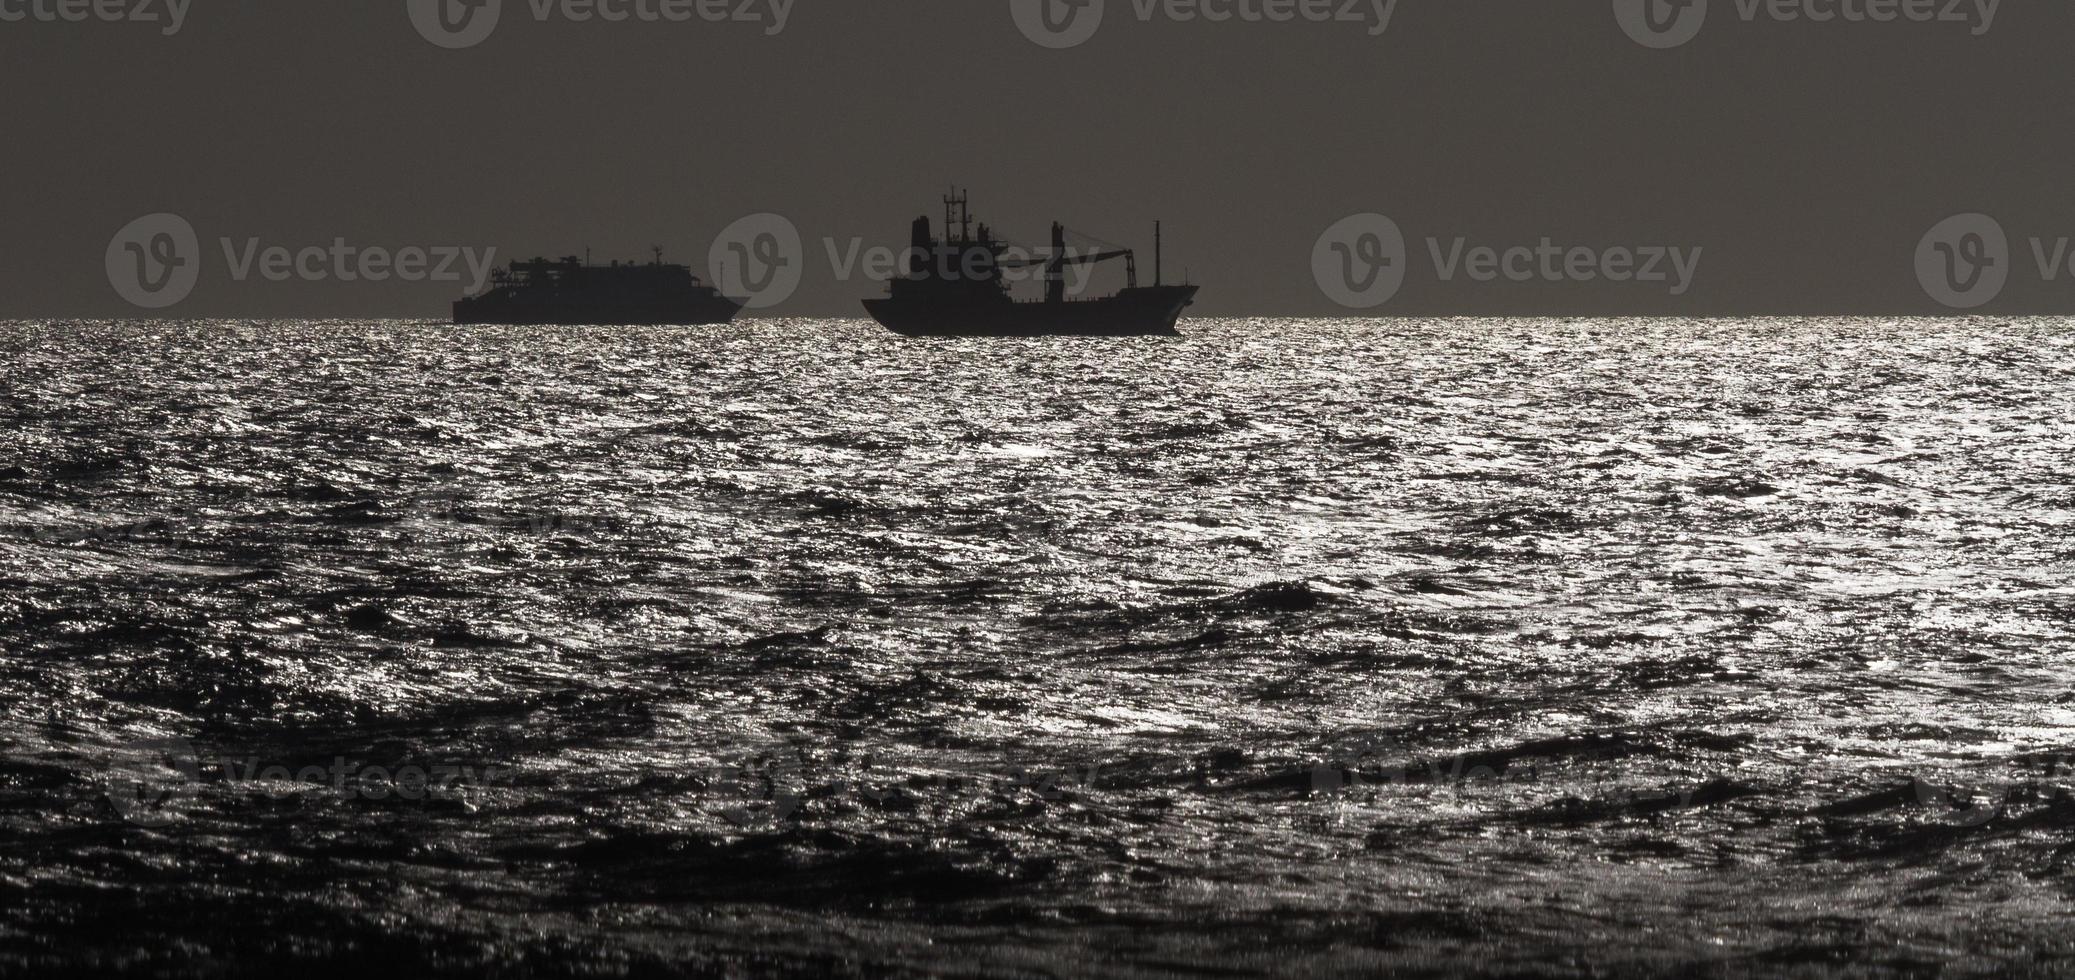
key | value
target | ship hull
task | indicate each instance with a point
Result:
(698, 312)
(1150, 311)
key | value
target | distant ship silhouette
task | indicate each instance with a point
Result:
(956, 288)
(570, 292)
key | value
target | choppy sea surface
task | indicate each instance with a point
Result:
(1567, 648)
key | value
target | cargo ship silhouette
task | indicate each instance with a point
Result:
(957, 288)
(571, 292)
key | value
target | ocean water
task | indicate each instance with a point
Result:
(1564, 648)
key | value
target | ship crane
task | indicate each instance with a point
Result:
(1055, 285)
(1057, 261)
(955, 204)
(1069, 259)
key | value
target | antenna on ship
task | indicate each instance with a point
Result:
(658, 249)
(1156, 253)
(958, 214)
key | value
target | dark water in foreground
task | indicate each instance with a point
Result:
(1567, 648)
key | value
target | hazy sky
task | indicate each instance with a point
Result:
(1805, 160)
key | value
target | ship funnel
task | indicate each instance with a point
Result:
(920, 245)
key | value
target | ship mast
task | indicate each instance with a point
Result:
(958, 213)
(1156, 253)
